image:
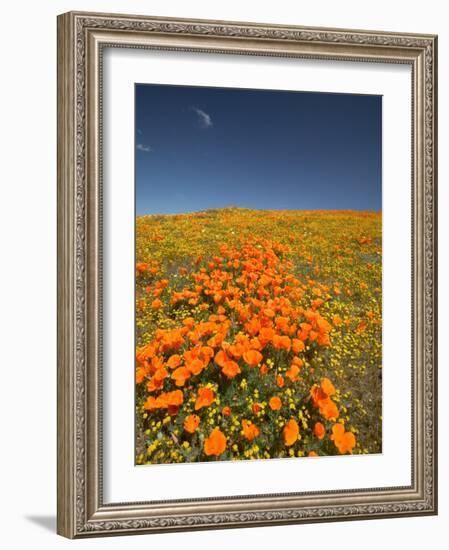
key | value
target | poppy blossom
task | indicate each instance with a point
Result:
(236, 350)
(205, 398)
(150, 403)
(253, 326)
(195, 366)
(174, 361)
(327, 386)
(297, 345)
(268, 312)
(263, 369)
(250, 430)
(265, 335)
(280, 380)
(141, 267)
(141, 373)
(281, 342)
(319, 430)
(275, 403)
(191, 423)
(291, 432)
(221, 358)
(252, 357)
(181, 375)
(292, 373)
(215, 444)
(344, 441)
(173, 397)
(317, 395)
(328, 409)
(231, 369)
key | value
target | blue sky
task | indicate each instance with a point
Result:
(201, 147)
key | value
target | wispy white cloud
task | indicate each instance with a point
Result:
(204, 119)
(144, 148)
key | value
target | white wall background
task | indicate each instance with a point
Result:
(28, 269)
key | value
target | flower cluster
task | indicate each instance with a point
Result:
(241, 339)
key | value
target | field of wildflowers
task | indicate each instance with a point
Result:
(258, 335)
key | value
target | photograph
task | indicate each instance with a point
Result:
(258, 274)
(247, 273)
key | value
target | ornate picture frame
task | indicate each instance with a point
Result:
(82, 38)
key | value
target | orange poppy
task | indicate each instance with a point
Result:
(160, 373)
(291, 432)
(263, 369)
(327, 386)
(147, 352)
(344, 441)
(265, 335)
(338, 431)
(328, 409)
(174, 361)
(297, 345)
(165, 400)
(181, 375)
(312, 453)
(231, 369)
(253, 326)
(252, 357)
(317, 395)
(205, 397)
(221, 358)
(154, 384)
(297, 361)
(150, 403)
(323, 339)
(206, 352)
(191, 423)
(319, 430)
(141, 267)
(156, 304)
(173, 398)
(281, 342)
(141, 373)
(255, 344)
(268, 312)
(323, 325)
(195, 366)
(215, 444)
(226, 411)
(250, 430)
(275, 403)
(293, 373)
(280, 380)
(236, 350)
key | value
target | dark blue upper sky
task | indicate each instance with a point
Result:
(199, 148)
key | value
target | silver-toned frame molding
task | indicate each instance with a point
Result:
(81, 39)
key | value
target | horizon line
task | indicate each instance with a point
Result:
(205, 210)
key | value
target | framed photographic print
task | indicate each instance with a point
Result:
(246, 274)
